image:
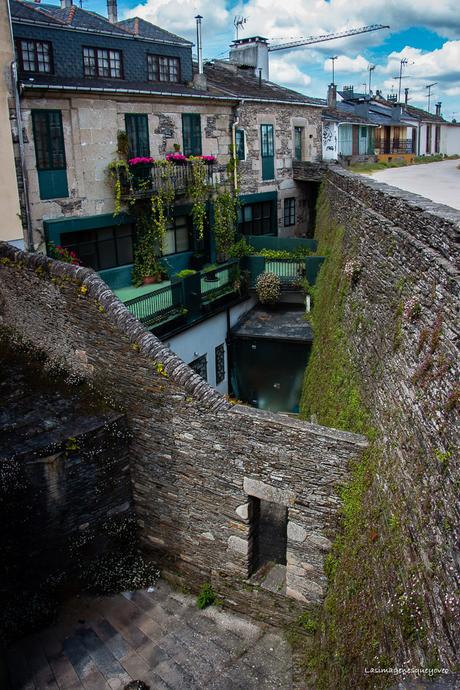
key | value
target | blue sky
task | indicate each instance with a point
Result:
(426, 33)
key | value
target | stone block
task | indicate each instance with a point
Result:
(254, 487)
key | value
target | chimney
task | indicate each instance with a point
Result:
(66, 3)
(438, 109)
(199, 80)
(112, 12)
(251, 52)
(406, 95)
(332, 96)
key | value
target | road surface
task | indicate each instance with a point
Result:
(439, 182)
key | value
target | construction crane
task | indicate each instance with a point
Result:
(308, 40)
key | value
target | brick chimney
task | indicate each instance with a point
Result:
(112, 11)
(332, 96)
(438, 109)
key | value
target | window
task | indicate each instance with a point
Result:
(50, 153)
(162, 68)
(256, 219)
(102, 248)
(268, 533)
(177, 237)
(137, 129)
(289, 211)
(101, 62)
(220, 364)
(35, 56)
(200, 366)
(298, 139)
(240, 145)
(191, 134)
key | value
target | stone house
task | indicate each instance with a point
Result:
(84, 78)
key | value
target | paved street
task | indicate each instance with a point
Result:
(159, 637)
(436, 181)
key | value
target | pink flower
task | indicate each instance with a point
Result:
(140, 160)
(209, 159)
(176, 157)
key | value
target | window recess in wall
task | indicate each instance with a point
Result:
(191, 134)
(35, 56)
(200, 366)
(102, 62)
(163, 68)
(298, 143)
(137, 129)
(289, 211)
(267, 534)
(50, 154)
(240, 146)
(220, 364)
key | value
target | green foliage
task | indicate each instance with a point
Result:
(240, 249)
(122, 143)
(185, 272)
(198, 192)
(225, 216)
(116, 169)
(150, 232)
(206, 596)
(273, 254)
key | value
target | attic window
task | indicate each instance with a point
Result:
(35, 56)
(99, 62)
(162, 68)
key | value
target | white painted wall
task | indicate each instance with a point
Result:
(330, 141)
(205, 337)
(451, 139)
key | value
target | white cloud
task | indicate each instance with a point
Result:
(347, 64)
(285, 71)
(443, 63)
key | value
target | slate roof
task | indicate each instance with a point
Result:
(421, 114)
(140, 27)
(227, 79)
(342, 114)
(31, 12)
(72, 16)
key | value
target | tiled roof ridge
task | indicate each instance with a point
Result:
(39, 10)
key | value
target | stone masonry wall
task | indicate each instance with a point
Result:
(403, 328)
(195, 459)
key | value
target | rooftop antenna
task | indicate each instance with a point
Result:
(238, 23)
(429, 87)
(370, 69)
(365, 88)
(333, 58)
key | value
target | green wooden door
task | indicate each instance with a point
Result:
(267, 151)
(191, 134)
(50, 154)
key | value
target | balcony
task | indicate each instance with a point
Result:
(151, 179)
(396, 146)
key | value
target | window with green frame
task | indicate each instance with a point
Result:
(267, 152)
(240, 145)
(137, 129)
(191, 134)
(50, 153)
(177, 236)
(298, 139)
(289, 211)
(256, 219)
(102, 248)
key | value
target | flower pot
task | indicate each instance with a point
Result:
(151, 280)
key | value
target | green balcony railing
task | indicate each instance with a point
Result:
(157, 306)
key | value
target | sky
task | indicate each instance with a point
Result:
(425, 32)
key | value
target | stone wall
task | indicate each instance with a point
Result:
(195, 459)
(401, 319)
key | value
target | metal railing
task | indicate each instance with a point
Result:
(396, 146)
(289, 271)
(154, 178)
(219, 282)
(157, 306)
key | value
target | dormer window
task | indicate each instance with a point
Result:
(162, 68)
(101, 62)
(35, 56)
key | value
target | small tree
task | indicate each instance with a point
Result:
(225, 216)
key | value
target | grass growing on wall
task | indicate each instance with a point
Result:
(353, 632)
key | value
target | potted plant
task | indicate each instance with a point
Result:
(140, 168)
(147, 268)
(197, 261)
(268, 288)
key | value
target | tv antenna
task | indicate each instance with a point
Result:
(238, 23)
(429, 87)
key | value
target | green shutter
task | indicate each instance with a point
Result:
(137, 129)
(50, 154)
(191, 134)
(239, 145)
(268, 152)
(298, 131)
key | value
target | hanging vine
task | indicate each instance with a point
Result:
(116, 170)
(225, 217)
(198, 192)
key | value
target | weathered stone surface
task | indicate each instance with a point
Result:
(237, 544)
(254, 487)
(242, 511)
(296, 532)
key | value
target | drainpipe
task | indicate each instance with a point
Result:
(15, 82)
(235, 124)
